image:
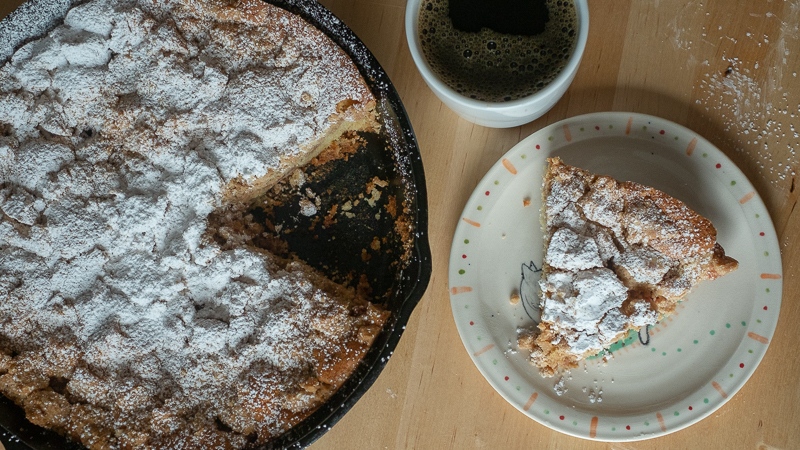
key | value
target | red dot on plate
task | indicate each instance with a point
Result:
(761, 234)
(487, 192)
(661, 132)
(506, 378)
(561, 417)
(464, 256)
(596, 128)
(471, 322)
(537, 147)
(627, 427)
(719, 165)
(765, 308)
(741, 365)
(690, 408)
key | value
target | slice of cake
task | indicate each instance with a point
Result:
(618, 256)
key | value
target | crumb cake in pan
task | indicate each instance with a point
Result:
(618, 256)
(123, 325)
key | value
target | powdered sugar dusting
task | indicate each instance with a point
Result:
(119, 132)
(613, 251)
(580, 302)
(751, 99)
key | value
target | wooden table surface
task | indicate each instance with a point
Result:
(666, 58)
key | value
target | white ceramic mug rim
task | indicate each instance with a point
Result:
(412, 19)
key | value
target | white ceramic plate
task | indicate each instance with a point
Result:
(697, 359)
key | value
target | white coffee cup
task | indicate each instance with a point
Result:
(498, 114)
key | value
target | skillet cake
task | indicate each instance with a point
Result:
(618, 256)
(122, 324)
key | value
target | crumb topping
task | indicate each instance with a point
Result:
(122, 130)
(618, 256)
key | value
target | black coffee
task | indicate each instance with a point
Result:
(493, 66)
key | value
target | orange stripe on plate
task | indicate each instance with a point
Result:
(460, 290)
(483, 350)
(567, 134)
(530, 401)
(661, 422)
(770, 276)
(628, 128)
(747, 197)
(471, 222)
(509, 166)
(593, 428)
(757, 337)
(691, 146)
(719, 389)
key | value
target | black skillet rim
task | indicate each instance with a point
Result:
(414, 278)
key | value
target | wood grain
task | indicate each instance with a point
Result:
(663, 57)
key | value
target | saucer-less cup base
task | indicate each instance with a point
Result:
(499, 114)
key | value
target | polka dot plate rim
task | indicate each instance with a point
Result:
(696, 360)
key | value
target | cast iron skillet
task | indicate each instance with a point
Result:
(393, 153)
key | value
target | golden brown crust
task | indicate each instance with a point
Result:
(665, 223)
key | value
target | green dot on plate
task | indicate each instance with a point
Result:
(766, 253)
(767, 290)
(757, 216)
(494, 361)
(730, 376)
(496, 182)
(758, 320)
(750, 351)
(546, 411)
(461, 271)
(712, 332)
(664, 353)
(466, 241)
(677, 413)
(705, 155)
(705, 400)
(613, 428)
(466, 306)
(479, 338)
(480, 207)
(652, 349)
(550, 138)
(676, 138)
(744, 324)
(581, 128)
(644, 127)
(696, 341)
(727, 325)
(647, 424)
(574, 422)
(679, 350)
(518, 388)
(524, 156)
(733, 183)
(610, 127)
